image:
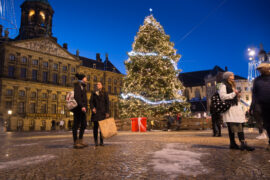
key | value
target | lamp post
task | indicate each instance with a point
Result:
(8, 123)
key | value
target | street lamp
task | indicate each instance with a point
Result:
(8, 123)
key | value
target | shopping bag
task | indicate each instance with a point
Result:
(108, 128)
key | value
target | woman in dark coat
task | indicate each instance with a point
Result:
(99, 104)
(80, 110)
(261, 97)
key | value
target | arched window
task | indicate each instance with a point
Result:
(42, 18)
(31, 16)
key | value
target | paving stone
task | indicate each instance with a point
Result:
(150, 155)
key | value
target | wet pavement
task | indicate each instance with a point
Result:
(150, 155)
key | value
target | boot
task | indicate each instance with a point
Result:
(96, 143)
(82, 143)
(77, 145)
(244, 146)
(234, 146)
(101, 142)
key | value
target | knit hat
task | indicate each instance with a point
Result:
(227, 74)
(80, 76)
(263, 66)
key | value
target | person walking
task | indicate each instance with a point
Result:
(261, 97)
(234, 116)
(99, 104)
(79, 113)
(216, 124)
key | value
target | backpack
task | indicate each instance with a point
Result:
(217, 105)
(70, 101)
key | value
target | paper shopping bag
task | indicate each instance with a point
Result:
(108, 128)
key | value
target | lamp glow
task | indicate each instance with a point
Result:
(251, 53)
(9, 112)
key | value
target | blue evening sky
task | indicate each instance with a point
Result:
(205, 32)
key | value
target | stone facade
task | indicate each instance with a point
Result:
(36, 73)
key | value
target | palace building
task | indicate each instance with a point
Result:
(36, 73)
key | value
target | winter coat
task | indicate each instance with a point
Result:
(80, 94)
(101, 103)
(235, 114)
(261, 97)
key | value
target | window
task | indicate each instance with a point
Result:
(45, 76)
(109, 80)
(109, 89)
(115, 90)
(53, 108)
(33, 108)
(121, 82)
(72, 79)
(21, 107)
(23, 72)
(54, 96)
(42, 15)
(64, 80)
(88, 77)
(73, 69)
(43, 108)
(64, 68)
(197, 93)
(22, 93)
(33, 94)
(24, 60)
(11, 71)
(45, 64)
(35, 62)
(88, 87)
(12, 57)
(55, 66)
(34, 74)
(9, 92)
(55, 78)
(115, 81)
(246, 88)
(44, 95)
(94, 66)
(95, 78)
(8, 104)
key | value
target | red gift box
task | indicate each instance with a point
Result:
(138, 124)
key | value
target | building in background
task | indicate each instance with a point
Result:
(201, 85)
(36, 73)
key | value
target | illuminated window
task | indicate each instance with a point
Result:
(31, 13)
(42, 14)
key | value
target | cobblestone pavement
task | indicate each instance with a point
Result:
(150, 155)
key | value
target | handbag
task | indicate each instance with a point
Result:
(107, 127)
(218, 106)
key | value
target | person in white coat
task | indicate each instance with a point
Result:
(235, 116)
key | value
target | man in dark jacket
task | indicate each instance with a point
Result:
(99, 104)
(261, 96)
(80, 110)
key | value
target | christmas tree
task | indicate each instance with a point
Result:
(151, 87)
